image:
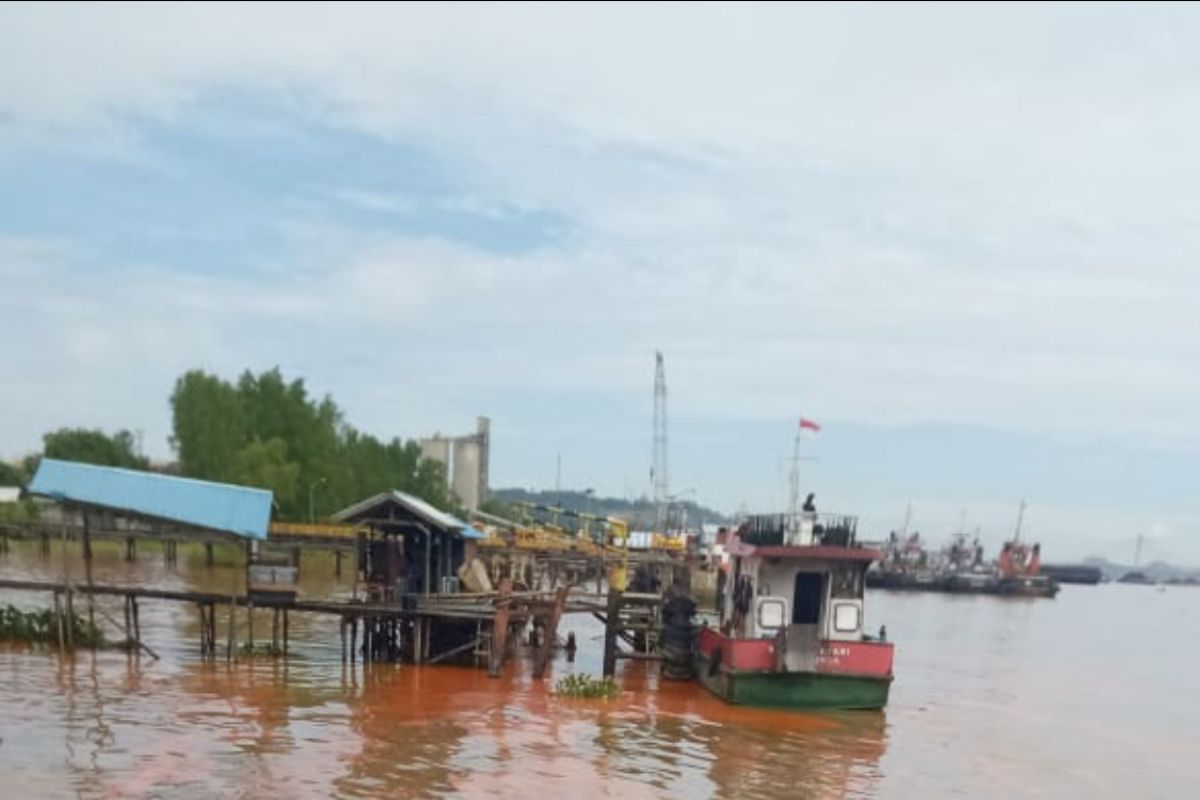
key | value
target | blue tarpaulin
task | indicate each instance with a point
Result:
(219, 507)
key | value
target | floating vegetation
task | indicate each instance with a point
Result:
(579, 684)
(42, 626)
(261, 649)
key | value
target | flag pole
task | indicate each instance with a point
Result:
(794, 478)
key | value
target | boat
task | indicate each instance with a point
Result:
(791, 632)
(1136, 576)
(959, 568)
(1085, 574)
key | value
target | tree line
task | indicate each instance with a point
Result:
(264, 431)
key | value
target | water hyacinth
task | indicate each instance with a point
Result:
(42, 627)
(585, 686)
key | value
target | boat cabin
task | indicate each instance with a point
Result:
(807, 578)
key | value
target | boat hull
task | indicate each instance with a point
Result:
(795, 691)
(952, 584)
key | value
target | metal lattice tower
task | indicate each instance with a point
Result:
(658, 469)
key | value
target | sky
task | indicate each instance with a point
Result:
(962, 238)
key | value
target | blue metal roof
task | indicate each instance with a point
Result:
(214, 506)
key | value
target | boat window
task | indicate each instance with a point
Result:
(846, 617)
(772, 613)
(847, 582)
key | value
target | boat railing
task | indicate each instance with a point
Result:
(838, 530)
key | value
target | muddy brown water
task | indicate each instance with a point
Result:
(1089, 695)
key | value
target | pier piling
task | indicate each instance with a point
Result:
(611, 623)
(499, 629)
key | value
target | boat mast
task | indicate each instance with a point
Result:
(794, 478)
(1137, 554)
(1020, 518)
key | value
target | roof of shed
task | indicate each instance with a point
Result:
(221, 507)
(365, 509)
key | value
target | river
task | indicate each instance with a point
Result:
(1089, 695)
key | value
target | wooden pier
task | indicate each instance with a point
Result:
(495, 618)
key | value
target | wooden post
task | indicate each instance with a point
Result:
(87, 567)
(611, 624)
(128, 624)
(550, 633)
(337, 563)
(208, 554)
(353, 638)
(231, 639)
(130, 548)
(275, 631)
(342, 633)
(250, 626)
(58, 614)
(203, 631)
(500, 629)
(285, 631)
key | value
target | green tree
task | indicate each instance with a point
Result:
(265, 465)
(11, 475)
(234, 432)
(93, 447)
(208, 424)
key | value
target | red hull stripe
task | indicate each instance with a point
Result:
(872, 659)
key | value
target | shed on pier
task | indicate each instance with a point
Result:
(408, 547)
(118, 497)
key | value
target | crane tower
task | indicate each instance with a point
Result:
(658, 469)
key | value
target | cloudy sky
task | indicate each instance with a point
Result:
(964, 239)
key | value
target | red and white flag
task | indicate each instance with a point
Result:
(808, 423)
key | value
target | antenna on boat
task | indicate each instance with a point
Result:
(1020, 518)
(907, 518)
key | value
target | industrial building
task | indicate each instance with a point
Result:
(466, 461)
